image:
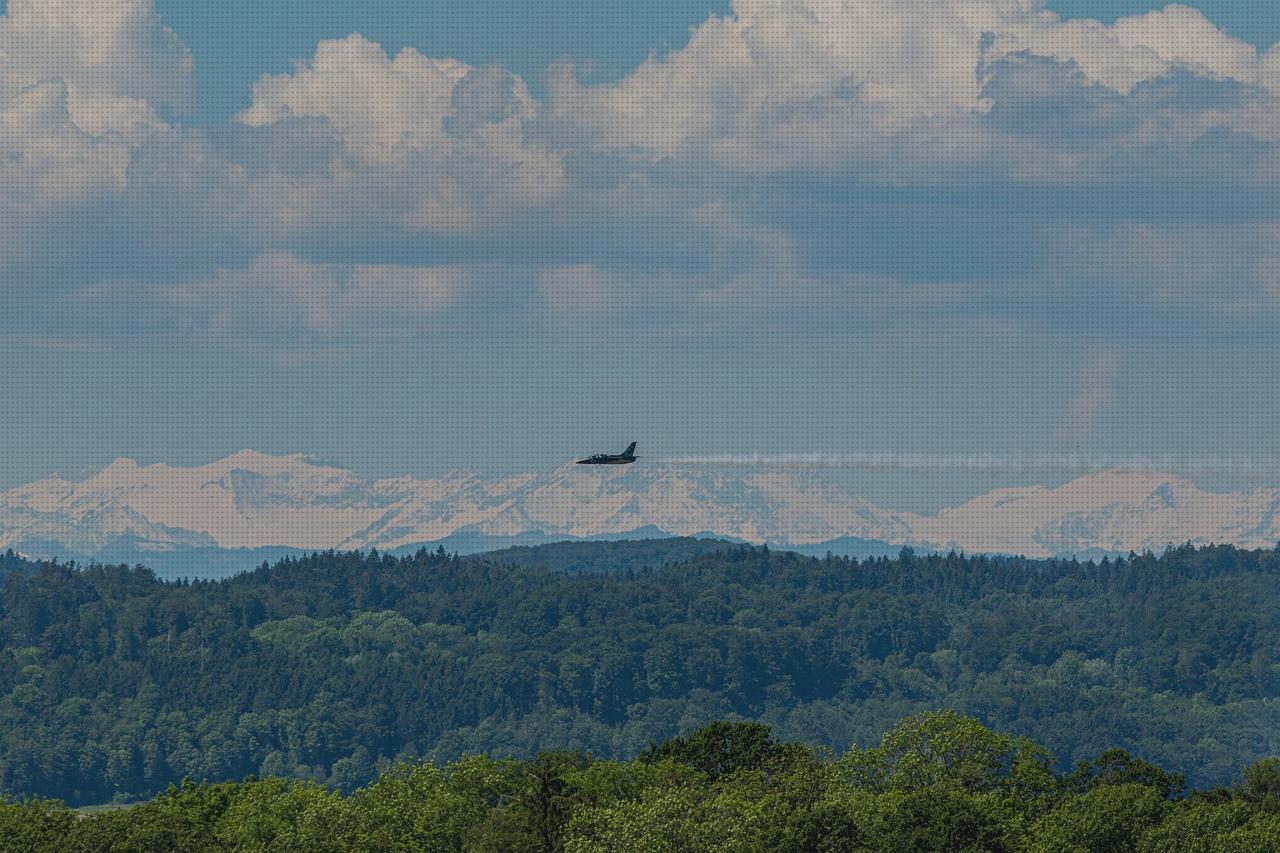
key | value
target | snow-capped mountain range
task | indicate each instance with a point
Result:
(162, 514)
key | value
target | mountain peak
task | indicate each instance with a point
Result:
(252, 499)
(293, 465)
(255, 460)
(120, 464)
(248, 456)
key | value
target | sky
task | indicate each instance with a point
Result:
(236, 41)
(407, 237)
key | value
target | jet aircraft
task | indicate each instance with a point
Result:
(626, 457)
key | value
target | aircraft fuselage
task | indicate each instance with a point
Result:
(626, 457)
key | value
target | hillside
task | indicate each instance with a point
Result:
(114, 684)
(608, 556)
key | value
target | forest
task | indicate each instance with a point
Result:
(338, 668)
(935, 782)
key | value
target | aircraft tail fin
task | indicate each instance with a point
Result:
(631, 450)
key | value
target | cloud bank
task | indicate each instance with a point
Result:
(890, 171)
(373, 153)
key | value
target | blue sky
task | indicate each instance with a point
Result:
(491, 235)
(238, 40)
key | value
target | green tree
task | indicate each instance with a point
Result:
(723, 748)
(34, 825)
(1106, 819)
(1262, 783)
(944, 748)
(1117, 767)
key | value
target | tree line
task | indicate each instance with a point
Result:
(332, 668)
(936, 782)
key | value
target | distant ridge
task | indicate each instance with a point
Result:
(252, 506)
(577, 556)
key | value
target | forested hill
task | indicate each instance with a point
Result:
(618, 555)
(114, 684)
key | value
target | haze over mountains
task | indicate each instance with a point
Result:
(203, 518)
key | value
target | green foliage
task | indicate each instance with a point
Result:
(1117, 767)
(938, 782)
(723, 748)
(114, 685)
(946, 750)
(1204, 826)
(34, 825)
(934, 818)
(624, 555)
(1262, 783)
(1107, 819)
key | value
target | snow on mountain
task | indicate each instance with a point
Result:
(1112, 511)
(254, 500)
(247, 500)
(757, 507)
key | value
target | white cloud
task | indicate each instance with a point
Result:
(812, 82)
(448, 140)
(1269, 64)
(81, 82)
(131, 119)
(630, 195)
(47, 160)
(102, 50)
(741, 74)
(382, 107)
(280, 294)
(1133, 49)
(276, 301)
(1181, 35)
